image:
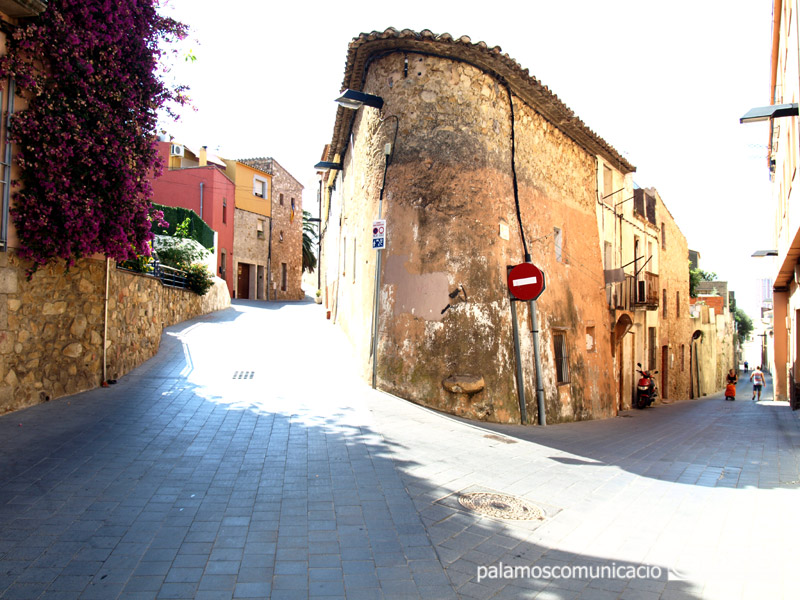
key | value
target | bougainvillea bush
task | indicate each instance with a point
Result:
(87, 140)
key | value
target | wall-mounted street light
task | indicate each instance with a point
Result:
(354, 100)
(324, 165)
(765, 113)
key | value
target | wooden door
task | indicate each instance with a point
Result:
(243, 281)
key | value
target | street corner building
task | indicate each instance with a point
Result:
(473, 163)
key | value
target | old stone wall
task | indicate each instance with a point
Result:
(252, 248)
(452, 229)
(287, 234)
(51, 326)
(675, 327)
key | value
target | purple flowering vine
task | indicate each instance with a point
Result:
(86, 143)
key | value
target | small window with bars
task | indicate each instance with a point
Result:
(561, 356)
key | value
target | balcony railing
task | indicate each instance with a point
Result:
(634, 293)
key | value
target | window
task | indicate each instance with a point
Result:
(558, 243)
(683, 356)
(281, 199)
(260, 188)
(663, 237)
(590, 337)
(664, 303)
(561, 356)
(608, 185)
(260, 229)
(223, 260)
(651, 350)
(651, 208)
(677, 304)
(284, 278)
(224, 210)
(280, 236)
(638, 202)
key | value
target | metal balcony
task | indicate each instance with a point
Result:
(634, 293)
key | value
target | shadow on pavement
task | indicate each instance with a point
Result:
(163, 487)
(708, 442)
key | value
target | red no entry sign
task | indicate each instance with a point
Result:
(526, 281)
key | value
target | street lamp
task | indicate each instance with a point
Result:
(354, 100)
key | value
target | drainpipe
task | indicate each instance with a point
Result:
(12, 84)
(105, 319)
(201, 200)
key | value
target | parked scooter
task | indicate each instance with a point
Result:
(646, 391)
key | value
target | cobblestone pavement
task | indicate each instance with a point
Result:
(244, 461)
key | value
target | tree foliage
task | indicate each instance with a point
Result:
(696, 276)
(86, 141)
(744, 325)
(309, 239)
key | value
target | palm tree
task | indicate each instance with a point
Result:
(309, 239)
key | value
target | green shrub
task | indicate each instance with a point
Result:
(176, 252)
(198, 278)
(140, 264)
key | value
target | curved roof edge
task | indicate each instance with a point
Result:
(367, 46)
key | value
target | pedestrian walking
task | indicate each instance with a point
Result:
(745, 366)
(757, 377)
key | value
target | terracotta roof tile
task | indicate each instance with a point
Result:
(365, 47)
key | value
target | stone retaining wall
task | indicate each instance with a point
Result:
(52, 325)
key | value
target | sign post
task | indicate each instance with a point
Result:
(526, 282)
(520, 379)
(378, 244)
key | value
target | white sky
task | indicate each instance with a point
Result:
(664, 83)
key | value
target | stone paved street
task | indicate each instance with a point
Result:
(246, 461)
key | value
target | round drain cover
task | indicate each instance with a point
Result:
(501, 506)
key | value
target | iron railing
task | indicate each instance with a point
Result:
(167, 275)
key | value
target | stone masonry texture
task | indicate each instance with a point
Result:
(287, 249)
(449, 194)
(51, 325)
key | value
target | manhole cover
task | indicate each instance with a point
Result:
(244, 374)
(501, 506)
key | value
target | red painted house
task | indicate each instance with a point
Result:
(197, 181)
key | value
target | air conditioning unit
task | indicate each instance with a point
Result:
(175, 150)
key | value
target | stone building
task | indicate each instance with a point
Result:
(675, 323)
(647, 286)
(251, 240)
(486, 165)
(287, 230)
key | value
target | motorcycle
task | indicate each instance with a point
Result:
(646, 391)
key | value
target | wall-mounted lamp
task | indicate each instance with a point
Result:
(765, 113)
(763, 253)
(324, 165)
(354, 100)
